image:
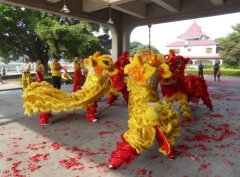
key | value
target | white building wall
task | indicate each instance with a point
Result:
(196, 50)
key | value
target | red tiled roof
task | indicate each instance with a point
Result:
(193, 32)
(192, 43)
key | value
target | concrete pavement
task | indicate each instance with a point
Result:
(9, 86)
(71, 147)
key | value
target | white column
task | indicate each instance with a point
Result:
(114, 51)
(221, 62)
(193, 62)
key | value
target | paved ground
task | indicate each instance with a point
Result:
(71, 147)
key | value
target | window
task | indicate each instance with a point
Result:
(218, 49)
(208, 50)
(177, 51)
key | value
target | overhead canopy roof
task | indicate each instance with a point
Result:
(134, 12)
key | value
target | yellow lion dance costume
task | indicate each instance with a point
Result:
(147, 117)
(43, 98)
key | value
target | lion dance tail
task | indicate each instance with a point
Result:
(42, 97)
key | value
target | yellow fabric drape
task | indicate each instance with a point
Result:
(145, 113)
(26, 80)
(42, 97)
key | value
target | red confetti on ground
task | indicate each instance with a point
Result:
(100, 165)
(104, 133)
(35, 147)
(37, 157)
(56, 146)
(140, 171)
(203, 166)
(153, 157)
(33, 167)
(110, 123)
(198, 136)
(14, 168)
(215, 115)
(84, 151)
(8, 159)
(68, 163)
(223, 146)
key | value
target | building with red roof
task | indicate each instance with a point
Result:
(197, 45)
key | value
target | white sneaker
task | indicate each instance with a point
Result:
(94, 120)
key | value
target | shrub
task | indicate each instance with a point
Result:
(224, 71)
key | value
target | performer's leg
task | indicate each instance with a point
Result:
(43, 118)
(125, 94)
(111, 99)
(91, 111)
(76, 81)
(123, 153)
(165, 148)
(24, 84)
(185, 107)
(134, 142)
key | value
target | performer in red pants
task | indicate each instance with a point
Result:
(118, 79)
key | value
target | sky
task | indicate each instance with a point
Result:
(166, 33)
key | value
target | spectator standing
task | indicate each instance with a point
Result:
(200, 69)
(56, 67)
(39, 69)
(1, 81)
(26, 76)
(216, 71)
(3, 71)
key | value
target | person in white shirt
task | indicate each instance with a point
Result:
(26, 75)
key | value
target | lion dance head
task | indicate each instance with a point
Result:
(177, 64)
(99, 64)
(147, 68)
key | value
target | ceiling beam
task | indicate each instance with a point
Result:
(217, 2)
(53, 1)
(93, 5)
(132, 8)
(170, 5)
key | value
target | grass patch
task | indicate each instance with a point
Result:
(224, 71)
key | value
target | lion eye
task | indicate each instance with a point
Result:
(179, 62)
(124, 63)
(106, 62)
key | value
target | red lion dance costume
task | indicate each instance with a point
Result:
(148, 118)
(118, 79)
(183, 88)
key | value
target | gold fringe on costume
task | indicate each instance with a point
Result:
(182, 98)
(146, 113)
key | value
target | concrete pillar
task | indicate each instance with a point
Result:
(213, 62)
(115, 42)
(120, 40)
(193, 62)
(221, 62)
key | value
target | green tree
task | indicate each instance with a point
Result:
(230, 48)
(138, 46)
(17, 34)
(37, 34)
